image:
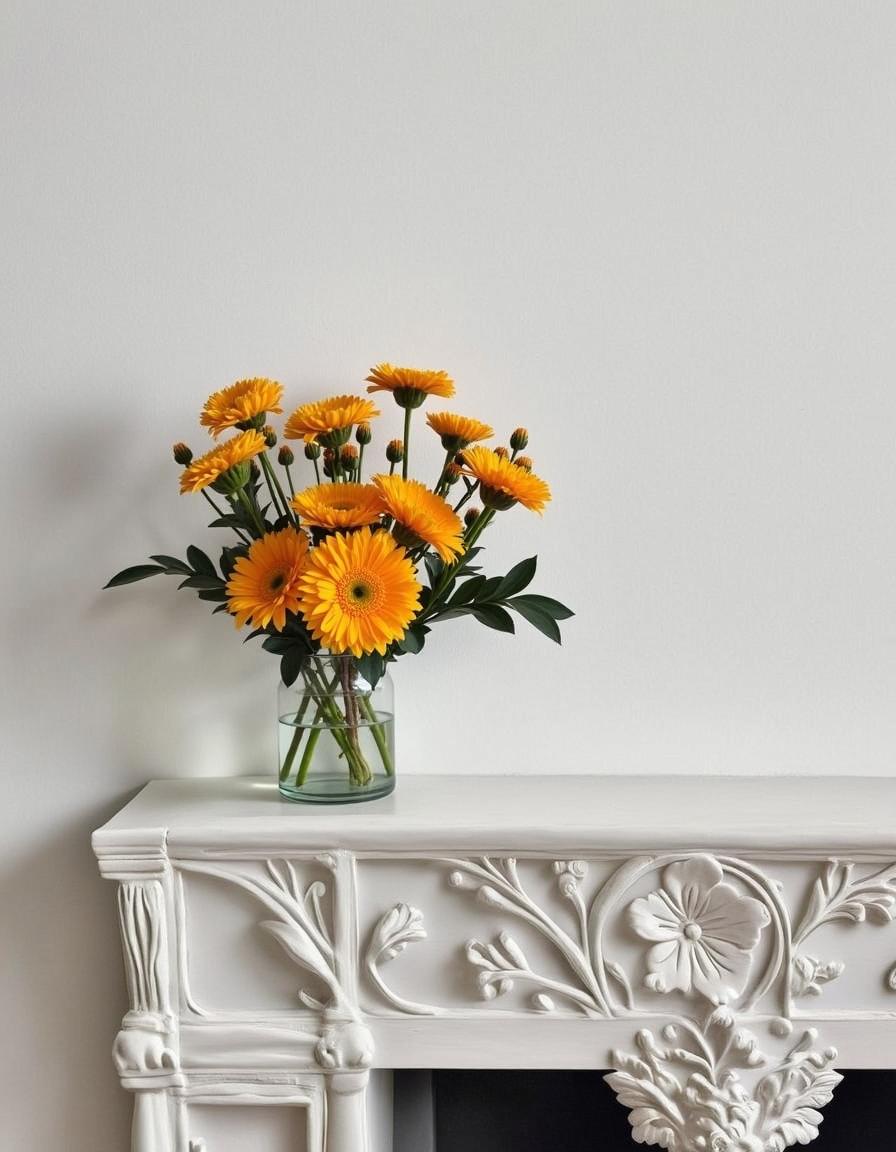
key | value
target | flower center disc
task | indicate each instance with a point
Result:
(277, 581)
(358, 594)
(693, 931)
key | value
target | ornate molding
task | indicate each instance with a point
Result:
(689, 1096)
(299, 926)
(497, 885)
(837, 895)
(141, 913)
(394, 930)
(344, 1044)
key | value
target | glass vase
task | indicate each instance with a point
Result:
(336, 734)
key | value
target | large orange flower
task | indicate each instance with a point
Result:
(226, 465)
(242, 405)
(329, 421)
(503, 484)
(264, 585)
(334, 506)
(358, 592)
(421, 517)
(409, 386)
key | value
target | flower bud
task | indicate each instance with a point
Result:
(270, 436)
(519, 438)
(395, 451)
(329, 461)
(362, 433)
(451, 474)
(471, 516)
(312, 450)
(254, 471)
(182, 454)
(502, 452)
(524, 462)
(348, 457)
(285, 456)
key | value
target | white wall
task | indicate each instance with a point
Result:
(662, 235)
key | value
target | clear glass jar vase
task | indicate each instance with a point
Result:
(336, 734)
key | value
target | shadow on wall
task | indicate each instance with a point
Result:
(60, 944)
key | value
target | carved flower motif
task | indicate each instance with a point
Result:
(704, 931)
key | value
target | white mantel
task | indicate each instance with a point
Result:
(733, 929)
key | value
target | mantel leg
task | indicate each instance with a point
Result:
(347, 1112)
(152, 1128)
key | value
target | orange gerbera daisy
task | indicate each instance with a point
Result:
(226, 466)
(333, 506)
(421, 517)
(409, 386)
(242, 405)
(457, 432)
(503, 484)
(358, 593)
(329, 421)
(264, 585)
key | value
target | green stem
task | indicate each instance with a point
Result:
(251, 509)
(245, 539)
(307, 756)
(292, 487)
(379, 736)
(296, 739)
(275, 490)
(360, 463)
(407, 442)
(316, 469)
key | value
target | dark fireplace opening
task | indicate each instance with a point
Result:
(484, 1110)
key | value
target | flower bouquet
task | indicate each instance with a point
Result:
(343, 577)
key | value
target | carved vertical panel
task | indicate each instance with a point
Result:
(141, 911)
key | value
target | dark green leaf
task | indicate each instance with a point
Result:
(545, 604)
(413, 640)
(220, 608)
(255, 632)
(213, 595)
(494, 617)
(172, 564)
(468, 591)
(202, 582)
(201, 563)
(132, 575)
(279, 645)
(292, 663)
(538, 619)
(371, 668)
(518, 578)
(489, 588)
(434, 567)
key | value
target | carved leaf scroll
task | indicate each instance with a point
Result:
(395, 929)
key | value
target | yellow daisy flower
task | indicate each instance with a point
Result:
(329, 421)
(503, 484)
(333, 506)
(421, 517)
(457, 432)
(409, 386)
(226, 466)
(264, 585)
(242, 405)
(358, 592)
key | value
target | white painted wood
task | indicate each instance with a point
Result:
(720, 944)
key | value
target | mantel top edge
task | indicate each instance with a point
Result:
(535, 813)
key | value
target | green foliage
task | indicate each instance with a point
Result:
(491, 600)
